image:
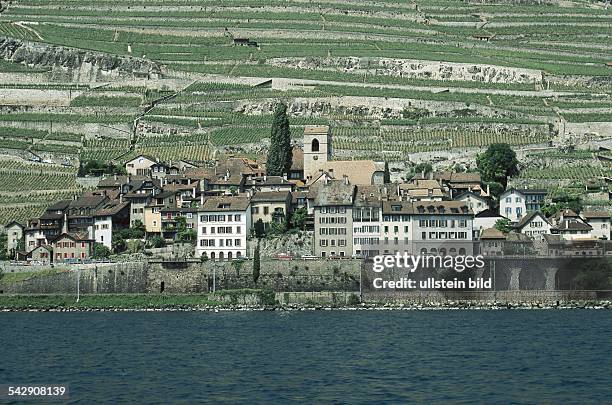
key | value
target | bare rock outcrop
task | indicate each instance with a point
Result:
(84, 66)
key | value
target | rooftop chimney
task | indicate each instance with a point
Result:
(201, 200)
(346, 180)
(115, 176)
(193, 192)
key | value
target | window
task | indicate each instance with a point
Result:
(237, 217)
(508, 199)
(238, 229)
(266, 210)
(236, 242)
(314, 145)
(255, 210)
(517, 199)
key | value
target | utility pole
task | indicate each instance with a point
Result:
(78, 284)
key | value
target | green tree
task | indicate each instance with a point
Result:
(4, 246)
(259, 229)
(503, 225)
(256, 264)
(233, 190)
(183, 233)
(119, 245)
(157, 242)
(204, 257)
(278, 228)
(280, 153)
(424, 168)
(100, 251)
(298, 218)
(498, 163)
(387, 174)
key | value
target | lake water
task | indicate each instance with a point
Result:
(276, 357)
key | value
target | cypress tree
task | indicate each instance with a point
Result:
(256, 264)
(280, 153)
(387, 174)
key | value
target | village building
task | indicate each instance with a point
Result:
(492, 242)
(534, 224)
(514, 203)
(570, 226)
(333, 217)
(15, 235)
(81, 212)
(54, 218)
(443, 228)
(296, 172)
(34, 235)
(422, 190)
(42, 254)
(458, 183)
(140, 165)
(270, 207)
(485, 220)
(170, 220)
(397, 226)
(367, 220)
(268, 183)
(475, 201)
(600, 222)
(223, 226)
(139, 196)
(72, 246)
(111, 218)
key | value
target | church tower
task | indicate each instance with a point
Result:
(317, 148)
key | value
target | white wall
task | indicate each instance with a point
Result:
(512, 206)
(239, 229)
(103, 231)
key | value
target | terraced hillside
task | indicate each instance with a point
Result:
(398, 80)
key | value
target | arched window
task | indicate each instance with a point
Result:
(229, 255)
(452, 251)
(442, 252)
(314, 147)
(220, 255)
(212, 255)
(462, 251)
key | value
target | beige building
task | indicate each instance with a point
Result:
(140, 165)
(72, 247)
(270, 206)
(42, 254)
(333, 217)
(14, 234)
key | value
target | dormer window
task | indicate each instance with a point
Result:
(223, 206)
(396, 208)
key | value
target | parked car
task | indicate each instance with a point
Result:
(284, 256)
(309, 257)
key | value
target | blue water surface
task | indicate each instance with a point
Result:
(536, 356)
